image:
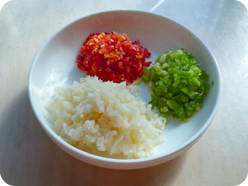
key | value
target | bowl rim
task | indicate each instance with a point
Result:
(184, 145)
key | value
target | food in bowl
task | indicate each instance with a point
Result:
(105, 118)
(178, 84)
(101, 114)
(113, 57)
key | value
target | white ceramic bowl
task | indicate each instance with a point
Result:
(54, 65)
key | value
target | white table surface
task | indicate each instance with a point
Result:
(29, 157)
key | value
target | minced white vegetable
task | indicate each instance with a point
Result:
(105, 118)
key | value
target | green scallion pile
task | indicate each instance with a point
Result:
(178, 84)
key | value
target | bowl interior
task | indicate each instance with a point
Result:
(54, 65)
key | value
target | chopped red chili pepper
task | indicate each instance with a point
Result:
(113, 57)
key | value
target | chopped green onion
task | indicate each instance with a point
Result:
(212, 83)
(178, 84)
(137, 83)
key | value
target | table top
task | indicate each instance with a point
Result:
(29, 157)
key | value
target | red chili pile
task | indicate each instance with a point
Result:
(113, 57)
